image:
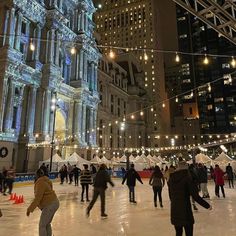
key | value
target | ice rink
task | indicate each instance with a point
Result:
(123, 218)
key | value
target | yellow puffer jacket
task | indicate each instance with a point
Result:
(44, 194)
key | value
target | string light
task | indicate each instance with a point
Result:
(209, 88)
(177, 58)
(233, 62)
(191, 95)
(73, 51)
(206, 61)
(132, 117)
(145, 56)
(176, 99)
(112, 54)
(32, 47)
(163, 105)
(141, 113)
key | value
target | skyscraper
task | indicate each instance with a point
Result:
(215, 101)
(138, 25)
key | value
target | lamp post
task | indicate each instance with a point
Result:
(53, 110)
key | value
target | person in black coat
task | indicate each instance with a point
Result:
(230, 174)
(130, 177)
(100, 185)
(76, 172)
(203, 179)
(181, 188)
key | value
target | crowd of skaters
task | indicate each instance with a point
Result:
(185, 183)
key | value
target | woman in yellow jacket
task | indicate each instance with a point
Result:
(46, 200)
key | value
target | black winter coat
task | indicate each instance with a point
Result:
(202, 174)
(131, 176)
(101, 179)
(181, 187)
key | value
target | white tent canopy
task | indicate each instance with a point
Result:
(202, 158)
(141, 159)
(123, 158)
(104, 160)
(131, 158)
(96, 160)
(75, 159)
(223, 158)
(56, 160)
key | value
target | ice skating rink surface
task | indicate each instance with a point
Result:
(123, 218)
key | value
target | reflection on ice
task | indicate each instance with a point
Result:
(123, 218)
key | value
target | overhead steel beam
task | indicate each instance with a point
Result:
(218, 14)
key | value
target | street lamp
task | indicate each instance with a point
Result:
(53, 111)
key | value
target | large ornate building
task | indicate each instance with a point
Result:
(122, 122)
(48, 79)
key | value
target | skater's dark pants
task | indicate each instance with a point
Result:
(76, 177)
(86, 188)
(96, 193)
(187, 228)
(157, 190)
(131, 194)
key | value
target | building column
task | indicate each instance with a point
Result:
(95, 127)
(78, 20)
(37, 43)
(85, 67)
(46, 111)
(9, 107)
(39, 114)
(85, 22)
(50, 51)
(19, 109)
(81, 64)
(95, 78)
(91, 126)
(78, 119)
(3, 98)
(31, 110)
(83, 123)
(57, 48)
(18, 31)
(10, 28)
(91, 77)
(82, 21)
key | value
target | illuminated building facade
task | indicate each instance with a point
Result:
(137, 26)
(48, 61)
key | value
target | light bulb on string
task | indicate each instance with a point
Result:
(209, 88)
(163, 105)
(191, 94)
(152, 109)
(176, 99)
(112, 54)
(73, 50)
(177, 58)
(32, 47)
(206, 60)
(132, 117)
(145, 56)
(233, 62)
(141, 113)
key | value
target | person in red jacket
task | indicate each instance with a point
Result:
(219, 180)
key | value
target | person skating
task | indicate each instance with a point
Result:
(70, 173)
(85, 181)
(181, 188)
(203, 179)
(46, 200)
(230, 175)
(76, 172)
(45, 169)
(157, 181)
(9, 180)
(130, 177)
(219, 181)
(100, 185)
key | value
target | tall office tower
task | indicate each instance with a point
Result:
(137, 25)
(214, 103)
(48, 80)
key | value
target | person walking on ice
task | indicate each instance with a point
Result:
(130, 177)
(46, 200)
(100, 185)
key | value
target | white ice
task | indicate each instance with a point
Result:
(123, 218)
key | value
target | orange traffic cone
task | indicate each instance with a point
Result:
(11, 197)
(21, 199)
(17, 200)
(14, 197)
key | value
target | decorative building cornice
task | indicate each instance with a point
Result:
(31, 10)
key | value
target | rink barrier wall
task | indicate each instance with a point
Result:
(29, 177)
